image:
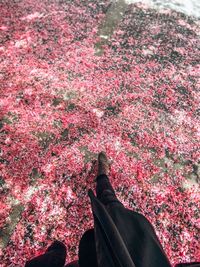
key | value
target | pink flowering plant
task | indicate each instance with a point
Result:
(67, 94)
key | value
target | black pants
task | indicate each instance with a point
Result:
(104, 190)
(87, 250)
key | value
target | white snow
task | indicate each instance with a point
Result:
(189, 7)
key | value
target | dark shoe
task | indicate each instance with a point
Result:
(55, 256)
(57, 245)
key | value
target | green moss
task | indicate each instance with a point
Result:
(44, 138)
(57, 101)
(34, 176)
(10, 118)
(64, 134)
(155, 178)
(57, 123)
(7, 231)
(71, 106)
(89, 156)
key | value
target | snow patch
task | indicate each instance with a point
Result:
(189, 7)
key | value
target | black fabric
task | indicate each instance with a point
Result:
(55, 256)
(97, 245)
(87, 250)
(73, 264)
(110, 247)
(135, 230)
(102, 184)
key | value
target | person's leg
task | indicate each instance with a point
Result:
(102, 184)
(87, 249)
(104, 190)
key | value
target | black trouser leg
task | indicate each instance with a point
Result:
(104, 190)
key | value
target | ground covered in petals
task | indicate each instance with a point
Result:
(75, 80)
